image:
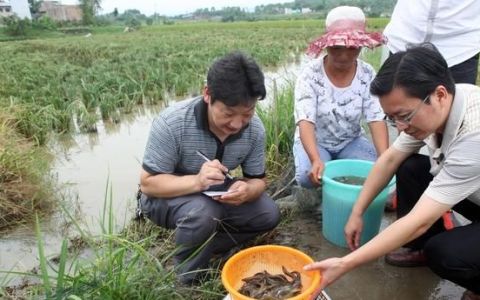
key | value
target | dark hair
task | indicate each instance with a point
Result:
(236, 79)
(418, 71)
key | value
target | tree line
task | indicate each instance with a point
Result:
(372, 8)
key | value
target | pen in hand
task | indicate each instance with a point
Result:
(207, 159)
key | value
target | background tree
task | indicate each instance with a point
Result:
(34, 6)
(89, 9)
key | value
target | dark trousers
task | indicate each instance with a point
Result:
(205, 227)
(466, 72)
(453, 254)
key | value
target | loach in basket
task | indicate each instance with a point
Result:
(268, 258)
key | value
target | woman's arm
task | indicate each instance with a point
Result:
(379, 132)
(309, 142)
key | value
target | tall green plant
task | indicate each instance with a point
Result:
(15, 26)
(35, 7)
(89, 9)
(279, 123)
(133, 264)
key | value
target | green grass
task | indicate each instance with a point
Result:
(279, 124)
(31, 34)
(87, 79)
(59, 82)
(134, 264)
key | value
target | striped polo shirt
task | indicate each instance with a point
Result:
(182, 128)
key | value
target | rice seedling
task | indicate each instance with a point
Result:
(279, 125)
(127, 69)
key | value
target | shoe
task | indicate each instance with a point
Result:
(405, 257)
(469, 295)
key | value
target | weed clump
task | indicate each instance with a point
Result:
(24, 189)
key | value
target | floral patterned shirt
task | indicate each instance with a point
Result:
(336, 112)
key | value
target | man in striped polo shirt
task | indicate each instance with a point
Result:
(222, 126)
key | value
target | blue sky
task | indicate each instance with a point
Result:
(171, 7)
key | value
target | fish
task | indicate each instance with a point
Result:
(266, 286)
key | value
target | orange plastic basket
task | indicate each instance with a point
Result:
(270, 258)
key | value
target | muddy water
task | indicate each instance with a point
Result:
(84, 164)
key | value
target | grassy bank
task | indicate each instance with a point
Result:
(24, 186)
(133, 264)
(279, 129)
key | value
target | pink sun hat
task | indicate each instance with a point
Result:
(345, 26)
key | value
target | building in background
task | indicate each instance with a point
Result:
(5, 9)
(19, 8)
(59, 12)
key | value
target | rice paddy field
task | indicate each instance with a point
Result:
(60, 85)
(51, 85)
(68, 84)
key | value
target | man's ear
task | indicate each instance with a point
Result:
(206, 95)
(441, 93)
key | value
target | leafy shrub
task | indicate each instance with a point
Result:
(133, 23)
(15, 26)
(230, 18)
(45, 23)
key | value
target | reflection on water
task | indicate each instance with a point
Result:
(87, 162)
(283, 77)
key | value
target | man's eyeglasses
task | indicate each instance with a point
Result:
(405, 120)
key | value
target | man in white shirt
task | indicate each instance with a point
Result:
(452, 26)
(418, 95)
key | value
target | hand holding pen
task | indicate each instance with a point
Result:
(238, 190)
(208, 160)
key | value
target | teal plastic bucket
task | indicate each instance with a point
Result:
(339, 198)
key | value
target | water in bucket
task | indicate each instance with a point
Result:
(338, 199)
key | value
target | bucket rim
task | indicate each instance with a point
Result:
(330, 180)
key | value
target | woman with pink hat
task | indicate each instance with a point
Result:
(332, 98)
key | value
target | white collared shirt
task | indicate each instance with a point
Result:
(455, 164)
(453, 26)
